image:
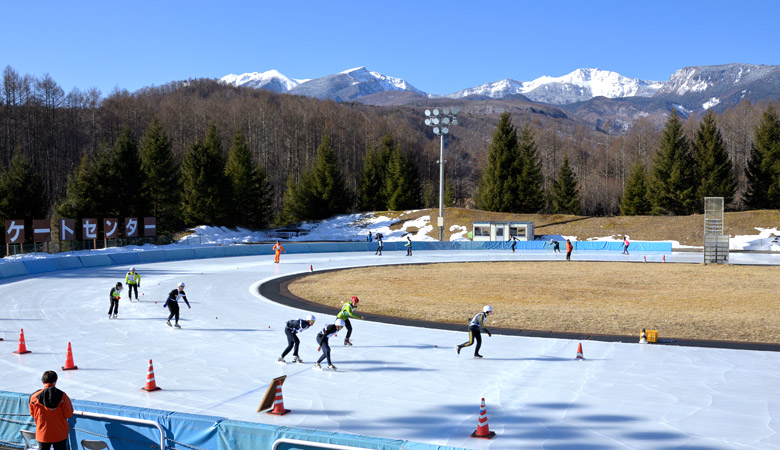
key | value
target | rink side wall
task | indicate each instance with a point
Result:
(10, 268)
(182, 431)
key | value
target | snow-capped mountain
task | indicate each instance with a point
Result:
(271, 80)
(352, 84)
(580, 85)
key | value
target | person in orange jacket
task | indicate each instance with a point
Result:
(278, 249)
(51, 408)
(569, 248)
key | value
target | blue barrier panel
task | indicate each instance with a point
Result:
(96, 260)
(237, 435)
(179, 254)
(189, 429)
(327, 247)
(151, 256)
(39, 266)
(638, 246)
(14, 416)
(66, 262)
(126, 258)
(210, 252)
(248, 250)
(297, 247)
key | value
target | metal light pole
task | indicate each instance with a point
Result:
(441, 121)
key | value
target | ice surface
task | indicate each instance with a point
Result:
(395, 382)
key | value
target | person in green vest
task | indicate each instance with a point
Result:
(133, 282)
(347, 311)
(113, 298)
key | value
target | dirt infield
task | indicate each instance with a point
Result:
(682, 301)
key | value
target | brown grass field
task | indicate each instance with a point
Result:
(683, 301)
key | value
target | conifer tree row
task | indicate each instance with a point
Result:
(565, 199)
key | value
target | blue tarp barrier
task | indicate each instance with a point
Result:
(125, 258)
(39, 266)
(95, 260)
(12, 269)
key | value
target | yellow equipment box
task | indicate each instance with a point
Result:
(652, 335)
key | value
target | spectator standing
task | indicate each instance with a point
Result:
(569, 248)
(625, 245)
(51, 408)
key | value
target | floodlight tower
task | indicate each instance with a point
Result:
(441, 121)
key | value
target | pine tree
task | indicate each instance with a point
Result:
(530, 195)
(89, 189)
(251, 199)
(634, 201)
(372, 178)
(497, 185)
(672, 186)
(124, 190)
(329, 182)
(565, 198)
(763, 169)
(205, 186)
(162, 183)
(21, 191)
(714, 171)
(320, 192)
(402, 183)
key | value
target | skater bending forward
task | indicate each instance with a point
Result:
(291, 331)
(322, 340)
(173, 304)
(113, 298)
(347, 312)
(477, 324)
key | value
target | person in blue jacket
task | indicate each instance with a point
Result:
(173, 303)
(292, 329)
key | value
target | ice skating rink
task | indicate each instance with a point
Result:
(395, 382)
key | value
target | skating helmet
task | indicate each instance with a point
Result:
(310, 318)
(181, 284)
(487, 309)
(119, 285)
(339, 323)
(355, 300)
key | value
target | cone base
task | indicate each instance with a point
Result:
(490, 435)
(22, 353)
(70, 368)
(279, 413)
(151, 389)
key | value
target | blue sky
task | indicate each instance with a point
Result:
(437, 46)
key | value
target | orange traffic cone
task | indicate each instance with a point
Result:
(278, 402)
(311, 268)
(69, 365)
(579, 352)
(22, 347)
(151, 385)
(483, 430)
(664, 258)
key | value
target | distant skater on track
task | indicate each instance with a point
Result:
(173, 304)
(380, 244)
(322, 340)
(292, 329)
(625, 245)
(556, 246)
(476, 325)
(133, 282)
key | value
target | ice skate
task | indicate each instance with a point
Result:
(478, 356)
(109, 317)
(347, 342)
(331, 367)
(458, 347)
(298, 360)
(281, 360)
(115, 316)
(168, 322)
(317, 366)
(179, 326)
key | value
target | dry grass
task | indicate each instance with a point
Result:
(718, 302)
